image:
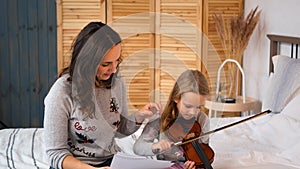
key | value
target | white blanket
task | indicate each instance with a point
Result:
(258, 144)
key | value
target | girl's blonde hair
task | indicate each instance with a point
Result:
(189, 81)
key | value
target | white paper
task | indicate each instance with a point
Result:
(125, 161)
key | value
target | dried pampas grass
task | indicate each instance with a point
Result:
(235, 32)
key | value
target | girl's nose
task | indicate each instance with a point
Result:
(194, 111)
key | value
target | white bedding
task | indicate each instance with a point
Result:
(22, 149)
(270, 142)
(255, 144)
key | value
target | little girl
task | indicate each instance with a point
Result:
(185, 101)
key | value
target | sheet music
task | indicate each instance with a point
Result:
(125, 161)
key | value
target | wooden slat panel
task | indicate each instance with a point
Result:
(179, 41)
(179, 45)
(42, 60)
(214, 59)
(25, 70)
(34, 65)
(15, 61)
(60, 47)
(73, 15)
(136, 48)
(5, 96)
(52, 45)
(24, 66)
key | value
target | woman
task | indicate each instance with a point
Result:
(184, 105)
(86, 107)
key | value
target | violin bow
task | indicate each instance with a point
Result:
(222, 128)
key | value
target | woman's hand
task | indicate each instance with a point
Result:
(189, 165)
(161, 146)
(148, 110)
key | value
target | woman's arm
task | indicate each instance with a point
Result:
(58, 104)
(130, 122)
(70, 162)
(148, 110)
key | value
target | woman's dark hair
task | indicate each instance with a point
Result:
(77, 45)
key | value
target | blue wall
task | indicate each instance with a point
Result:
(28, 60)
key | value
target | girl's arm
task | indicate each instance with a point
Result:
(143, 145)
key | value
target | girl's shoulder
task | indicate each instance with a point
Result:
(202, 117)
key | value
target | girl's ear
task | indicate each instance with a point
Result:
(176, 101)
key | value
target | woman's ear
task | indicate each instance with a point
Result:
(176, 101)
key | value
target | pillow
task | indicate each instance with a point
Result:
(284, 84)
(292, 109)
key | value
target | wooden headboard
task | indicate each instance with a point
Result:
(277, 40)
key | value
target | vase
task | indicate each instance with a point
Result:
(233, 81)
(228, 91)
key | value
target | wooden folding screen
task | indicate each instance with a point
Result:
(161, 39)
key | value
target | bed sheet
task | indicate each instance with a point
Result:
(270, 142)
(22, 148)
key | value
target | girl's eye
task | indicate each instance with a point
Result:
(188, 106)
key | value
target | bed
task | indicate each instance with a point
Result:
(270, 141)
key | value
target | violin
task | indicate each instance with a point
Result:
(186, 134)
(183, 131)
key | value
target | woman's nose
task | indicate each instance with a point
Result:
(114, 67)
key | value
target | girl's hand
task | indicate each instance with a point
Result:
(161, 146)
(148, 110)
(189, 165)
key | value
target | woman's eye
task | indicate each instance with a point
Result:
(104, 64)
